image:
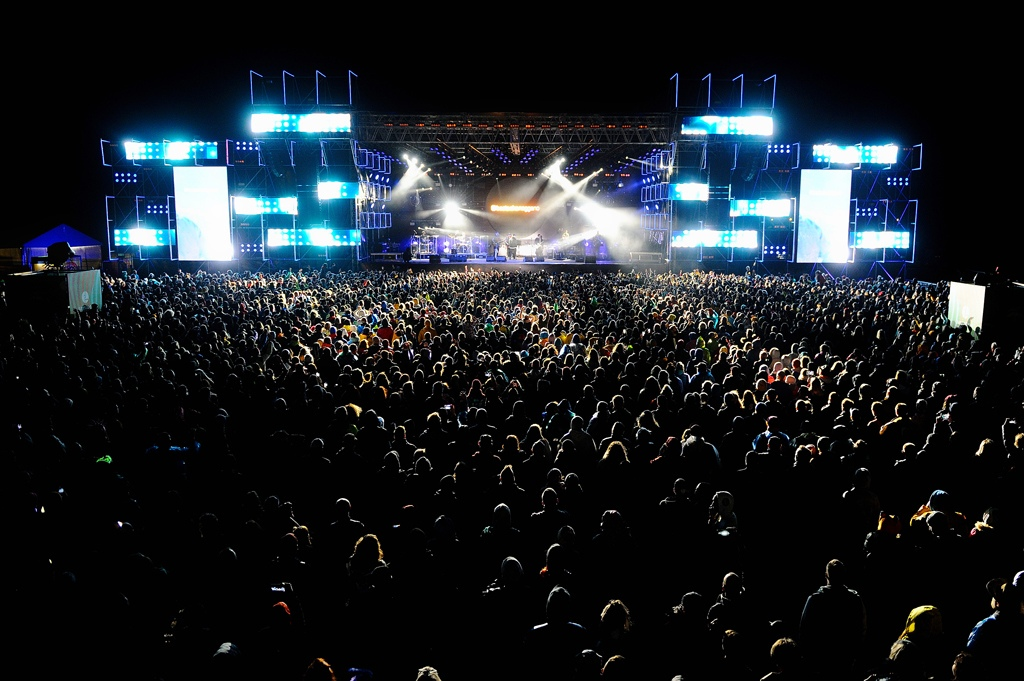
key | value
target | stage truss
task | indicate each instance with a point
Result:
(467, 153)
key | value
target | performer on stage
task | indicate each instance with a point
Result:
(538, 243)
(513, 244)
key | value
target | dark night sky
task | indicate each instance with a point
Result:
(867, 96)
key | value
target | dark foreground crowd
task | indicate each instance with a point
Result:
(512, 475)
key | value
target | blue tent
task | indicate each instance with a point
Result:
(89, 250)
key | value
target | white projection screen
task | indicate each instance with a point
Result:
(202, 213)
(823, 224)
(966, 306)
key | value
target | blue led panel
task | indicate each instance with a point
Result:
(767, 208)
(286, 205)
(311, 123)
(689, 191)
(314, 236)
(762, 126)
(879, 239)
(715, 238)
(855, 155)
(143, 237)
(337, 190)
(170, 151)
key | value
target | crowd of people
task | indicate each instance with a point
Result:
(513, 474)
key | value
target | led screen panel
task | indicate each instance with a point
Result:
(203, 213)
(823, 222)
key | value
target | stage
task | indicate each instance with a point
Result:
(505, 263)
(650, 258)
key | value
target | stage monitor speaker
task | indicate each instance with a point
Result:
(539, 258)
(590, 259)
(435, 259)
(501, 258)
(528, 258)
(457, 257)
(489, 258)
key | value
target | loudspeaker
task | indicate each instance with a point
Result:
(501, 258)
(489, 258)
(590, 259)
(457, 257)
(528, 258)
(435, 260)
(59, 253)
(540, 258)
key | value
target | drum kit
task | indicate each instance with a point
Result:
(472, 247)
(424, 245)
